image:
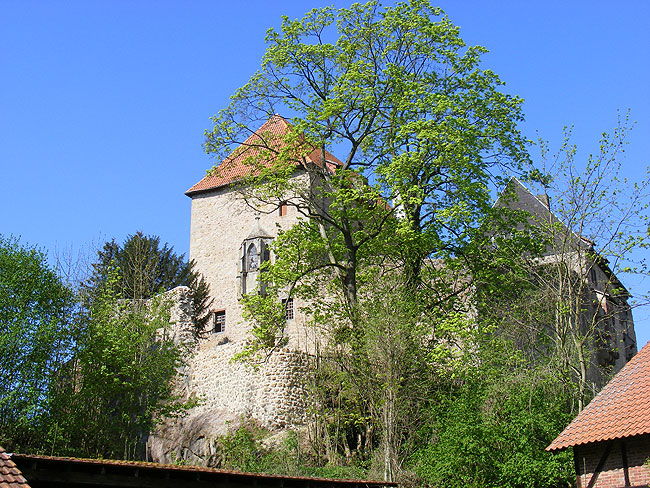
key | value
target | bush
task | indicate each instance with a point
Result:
(493, 432)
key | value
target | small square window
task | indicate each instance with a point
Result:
(288, 308)
(219, 322)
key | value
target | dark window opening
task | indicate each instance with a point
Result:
(219, 322)
(283, 210)
(266, 253)
(593, 274)
(288, 308)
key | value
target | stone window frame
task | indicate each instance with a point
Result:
(219, 321)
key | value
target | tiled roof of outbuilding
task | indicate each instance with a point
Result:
(621, 409)
(122, 473)
(10, 475)
(235, 168)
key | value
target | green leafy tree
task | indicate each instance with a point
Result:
(490, 426)
(400, 245)
(146, 268)
(420, 124)
(121, 379)
(36, 317)
(400, 96)
(547, 326)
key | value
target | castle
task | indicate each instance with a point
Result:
(229, 241)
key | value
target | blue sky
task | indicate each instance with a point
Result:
(103, 104)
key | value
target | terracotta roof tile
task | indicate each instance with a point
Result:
(235, 168)
(621, 409)
(71, 462)
(10, 475)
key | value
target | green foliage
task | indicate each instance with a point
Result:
(145, 268)
(79, 382)
(120, 380)
(406, 103)
(268, 314)
(242, 450)
(36, 316)
(409, 300)
(420, 124)
(491, 429)
(247, 449)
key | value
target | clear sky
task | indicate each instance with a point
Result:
(103, 104)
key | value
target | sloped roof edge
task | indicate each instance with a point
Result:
(234, 168)
(541, 207)
(10, 475)
(620, 410)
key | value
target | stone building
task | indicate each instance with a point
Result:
(229, 241)
(606, 316)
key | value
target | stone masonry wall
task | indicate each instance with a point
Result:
(221, 221)
(228, 393)
(272, 394)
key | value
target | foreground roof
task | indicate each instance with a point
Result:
(66, 471)
(10, 475)
(235, 168)
(620, 410)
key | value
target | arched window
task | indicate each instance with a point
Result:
(253, 253)
(253, 258)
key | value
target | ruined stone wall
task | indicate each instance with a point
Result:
(181, 323)
(227, 392)
(229, 395)
(273, 394)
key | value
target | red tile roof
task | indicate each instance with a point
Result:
(10, 475)
(621, 409)
(237, 165)
(68, 464)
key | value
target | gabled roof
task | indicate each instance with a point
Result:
(621, 409)
(10, 475)
(258, 231)
(517, 196)
(235, 168)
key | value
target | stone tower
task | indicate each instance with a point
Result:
(229, 241)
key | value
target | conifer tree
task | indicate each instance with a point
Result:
(145, 268)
